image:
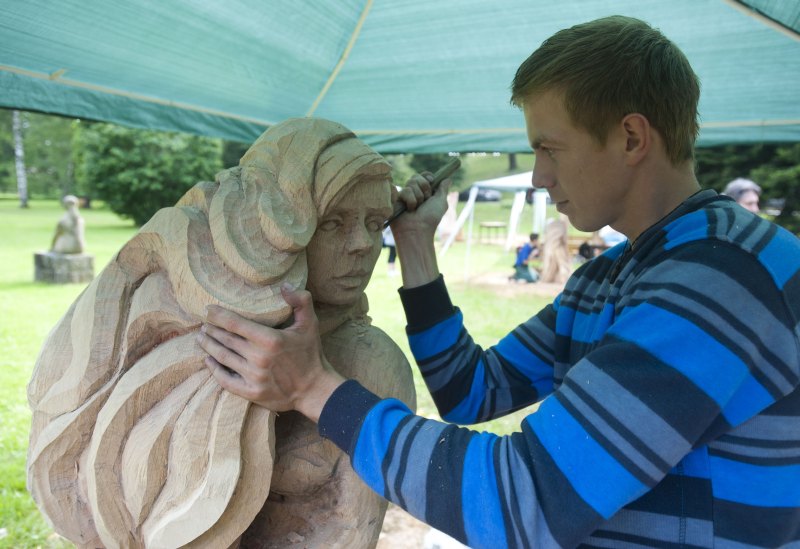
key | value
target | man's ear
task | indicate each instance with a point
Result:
(638, 137)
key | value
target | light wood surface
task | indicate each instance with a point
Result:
(134, 444)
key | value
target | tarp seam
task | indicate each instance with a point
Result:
(758, 15)
(345, 54)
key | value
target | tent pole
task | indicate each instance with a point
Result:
(473, 195)
(469, 240)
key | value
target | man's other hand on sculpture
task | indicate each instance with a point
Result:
(279, 369)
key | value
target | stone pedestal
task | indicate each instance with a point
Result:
(63, 268)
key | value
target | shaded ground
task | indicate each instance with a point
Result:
(401, 530)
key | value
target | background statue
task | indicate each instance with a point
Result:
(134, 444)
(69, 237)
(556, 258)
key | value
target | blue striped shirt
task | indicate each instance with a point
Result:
(670, 415)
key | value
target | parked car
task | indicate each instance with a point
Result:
(484, 195)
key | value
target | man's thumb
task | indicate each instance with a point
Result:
(301, 304)
(444, 186)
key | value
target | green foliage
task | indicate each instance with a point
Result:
(775, 167)
(781, 179)
(474, 166)
(137, 172)
(431, 163)
(232, 152)
(716, 166)
(8, 178)
(401, 170)
(48, 155)
(47, 142)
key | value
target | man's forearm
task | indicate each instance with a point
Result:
(417, 259)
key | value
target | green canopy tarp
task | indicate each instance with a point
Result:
(406, 75)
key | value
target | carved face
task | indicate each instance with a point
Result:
(343, 251)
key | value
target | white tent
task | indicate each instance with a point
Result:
(519, 184)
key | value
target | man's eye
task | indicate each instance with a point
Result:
(546, 150)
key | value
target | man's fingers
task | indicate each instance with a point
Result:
(234, 323)
(227, 378)
(225, 338)
(424, 183)
(220, 353)
(413, 196)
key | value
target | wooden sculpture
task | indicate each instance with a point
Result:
(66, 261)
(68, 238)
(133, 443)
(556, 259)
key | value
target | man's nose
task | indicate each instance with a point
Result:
(541, 178)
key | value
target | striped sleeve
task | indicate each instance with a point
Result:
(678, 366)
(470, 385)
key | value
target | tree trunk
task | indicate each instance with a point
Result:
(19, 160)
(512, 162)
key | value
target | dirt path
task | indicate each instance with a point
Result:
(401, 530)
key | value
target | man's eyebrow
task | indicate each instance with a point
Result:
(540, 140)
(537, 141)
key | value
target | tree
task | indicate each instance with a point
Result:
(716, 166)
(512, 162)
(45, 159)
(137, 172)
(232, 152)
(431, 163)
(781, 179)
(8, 180)
(48, 155)
(19, 160)
(775, 167)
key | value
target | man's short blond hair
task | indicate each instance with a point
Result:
(612, 67)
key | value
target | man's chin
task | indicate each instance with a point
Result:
(583, 225)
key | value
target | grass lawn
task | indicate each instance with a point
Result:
(28, 310)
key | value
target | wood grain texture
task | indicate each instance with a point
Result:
(133, 443)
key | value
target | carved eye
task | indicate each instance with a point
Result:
(375, 224)
(329, 225)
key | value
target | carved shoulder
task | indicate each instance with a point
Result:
(365, 353)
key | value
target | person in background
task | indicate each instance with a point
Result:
(523, 270)
(745, 192)
(388, 242)
(587, 251)
(667, 372)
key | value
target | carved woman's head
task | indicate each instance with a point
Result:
(321, 196)
(341, 254)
